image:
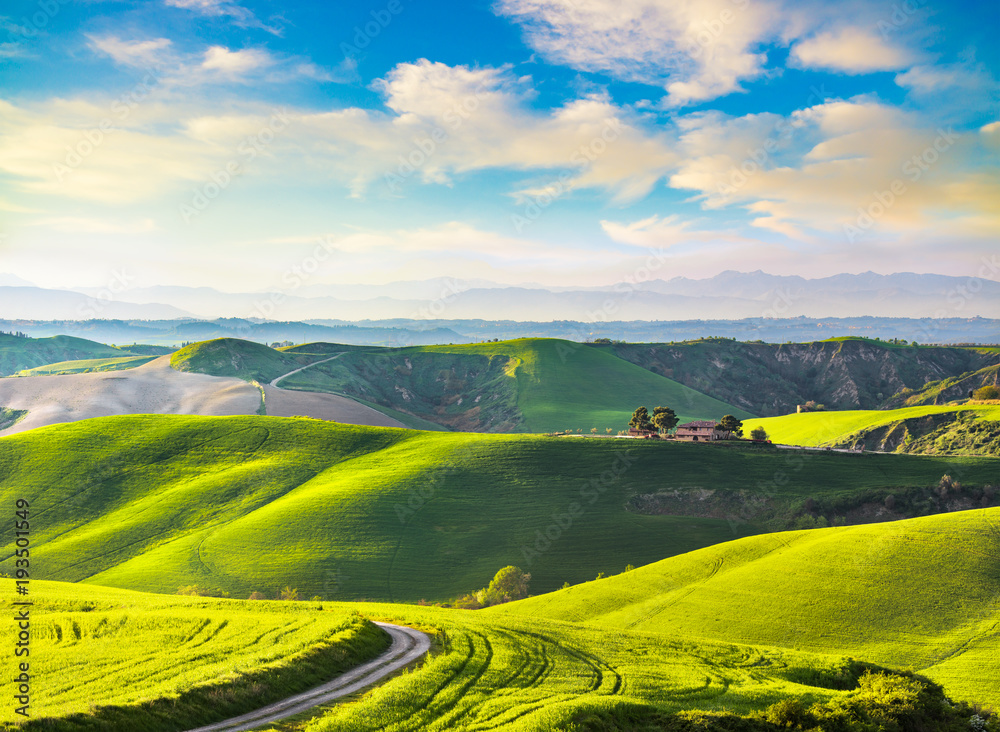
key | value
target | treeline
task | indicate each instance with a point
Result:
(15, 333)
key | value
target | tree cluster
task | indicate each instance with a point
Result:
(662, 420)
(509, 584)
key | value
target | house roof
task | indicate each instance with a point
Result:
(701, 423)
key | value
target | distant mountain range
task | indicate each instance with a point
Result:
(727, 296)
(406, 332)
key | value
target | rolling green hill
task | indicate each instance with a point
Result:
(241, 504)
(886, 430)
(922, 593)
(243, 359)
(18, 354)
(88, 365)
(514, 668)
(525, 385)
(102, 658)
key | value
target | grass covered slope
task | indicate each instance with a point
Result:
(921, 593)
(246, 504)
(18, 354)
(837, 428)
(524, 385)
(243, 359)
(168, 663)
(106, 659)
(88, 365)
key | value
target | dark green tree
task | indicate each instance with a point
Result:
(640, 420)
(730, 424)
(510, 583)
(664, 419)
(758, 433)
(986, 392)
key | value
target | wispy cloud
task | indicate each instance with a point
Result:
(213, 65)
(240, 16)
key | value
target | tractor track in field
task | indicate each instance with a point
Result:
(407, 646)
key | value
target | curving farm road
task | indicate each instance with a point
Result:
(274, 382)
(407, 646)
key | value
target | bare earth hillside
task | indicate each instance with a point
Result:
(155, 388)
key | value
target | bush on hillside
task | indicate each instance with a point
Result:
(196, 591)
(988, 392)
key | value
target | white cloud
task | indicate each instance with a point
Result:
(442, 122)
(481, 119)
(213, 65)
(806, 176)
(235, 64)
(241, 17)
(850, 50)
(11, 50)
(695, 49)
(145, 54)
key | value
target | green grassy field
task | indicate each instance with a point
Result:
(10, 417)
(827, 428)
(729, 630)
(88, 365)
(525, 385)
(18, 354)
(247, 504)
(922, 593)
(156, 662)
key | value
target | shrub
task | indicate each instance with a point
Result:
(257, 595)
(790, 713)
(989, 391)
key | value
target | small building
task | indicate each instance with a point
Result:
(633, 432)
(702, 430)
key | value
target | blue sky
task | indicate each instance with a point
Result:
(565, 142)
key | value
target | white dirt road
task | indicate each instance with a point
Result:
(407, 646)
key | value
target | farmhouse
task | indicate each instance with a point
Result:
(702, 430)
